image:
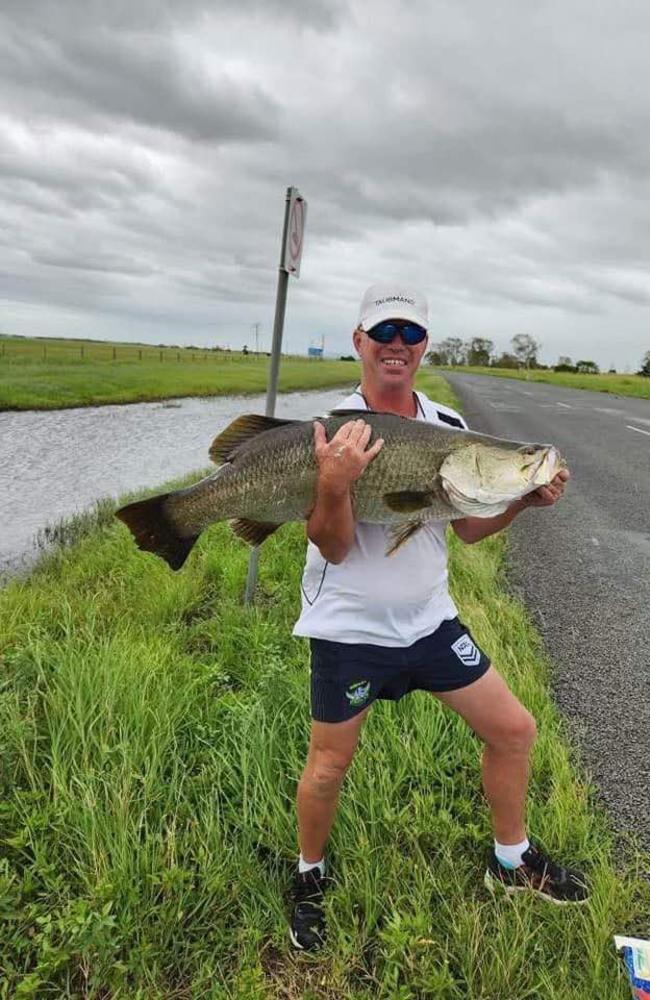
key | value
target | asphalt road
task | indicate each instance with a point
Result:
(583, 570)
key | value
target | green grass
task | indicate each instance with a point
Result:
(619, 385)
(39, 374)
(152, 734)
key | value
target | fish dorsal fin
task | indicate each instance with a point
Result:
(253, 532)
(408, 500)
(248, 426)
(401, 534)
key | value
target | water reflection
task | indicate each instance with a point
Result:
(56, 463)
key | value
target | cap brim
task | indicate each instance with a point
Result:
(389, 311)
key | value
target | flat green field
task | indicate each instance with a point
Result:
(152, 731)
(619, 385)
(53, 374)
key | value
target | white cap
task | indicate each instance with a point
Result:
(382, 302)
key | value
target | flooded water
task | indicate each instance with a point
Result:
(58, 462)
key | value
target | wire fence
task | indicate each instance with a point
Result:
(32, 350)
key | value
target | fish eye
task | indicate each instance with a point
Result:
(530, 449)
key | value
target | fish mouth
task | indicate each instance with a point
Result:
(547, 467)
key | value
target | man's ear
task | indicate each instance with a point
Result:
(356, 339)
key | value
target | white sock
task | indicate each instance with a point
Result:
(510, 855)
(305, 866)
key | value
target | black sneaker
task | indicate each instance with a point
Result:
(537, 874)
(307, 930)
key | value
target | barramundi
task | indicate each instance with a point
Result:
(268, 471)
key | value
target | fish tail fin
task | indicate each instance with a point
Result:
(154, 532)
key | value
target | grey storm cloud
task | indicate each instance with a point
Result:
(141, 79)
(498, 156)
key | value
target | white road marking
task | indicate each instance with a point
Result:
(565, 405)
(595, 541)
(637, 429)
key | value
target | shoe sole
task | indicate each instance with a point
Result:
(494, 885)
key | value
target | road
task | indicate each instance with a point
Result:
(583, 570)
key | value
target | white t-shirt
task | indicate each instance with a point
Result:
(373, 598)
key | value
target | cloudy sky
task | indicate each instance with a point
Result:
(495, 155)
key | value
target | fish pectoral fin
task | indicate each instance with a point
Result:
(253, 532)
(248, 426)
(408, 500)
(401, 534)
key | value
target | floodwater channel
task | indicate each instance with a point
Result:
(56, 463)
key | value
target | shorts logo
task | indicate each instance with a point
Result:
(466, 651)
(358, 693)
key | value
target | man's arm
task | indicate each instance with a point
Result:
(340, 463)
(473, 529)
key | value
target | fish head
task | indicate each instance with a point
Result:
(483, 478)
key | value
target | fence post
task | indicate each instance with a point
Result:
(161, 355)
(140, 355)
(114, 354)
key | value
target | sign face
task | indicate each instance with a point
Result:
(292, 251)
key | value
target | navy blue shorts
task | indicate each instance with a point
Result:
(347, 677)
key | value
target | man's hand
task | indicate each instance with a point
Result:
(342, 460)
(546, 496)
(330, 525)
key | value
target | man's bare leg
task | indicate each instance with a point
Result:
(508, 731)
(331, 748)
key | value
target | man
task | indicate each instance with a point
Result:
(383, 626)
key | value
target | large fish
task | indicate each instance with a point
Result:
(268, 472)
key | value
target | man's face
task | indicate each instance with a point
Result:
(388, 366)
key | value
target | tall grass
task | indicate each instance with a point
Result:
(153, 731)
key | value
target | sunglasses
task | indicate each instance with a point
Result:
(410, 333)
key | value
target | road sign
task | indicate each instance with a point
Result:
(295, 231)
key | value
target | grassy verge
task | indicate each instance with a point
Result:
(64, 378)
(152, 733)
(619, 385)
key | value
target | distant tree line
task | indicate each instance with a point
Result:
(479, 351)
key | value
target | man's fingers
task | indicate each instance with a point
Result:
(375, 448)
(344, 432)
(364, 436)
(320, 438)
(358, 430)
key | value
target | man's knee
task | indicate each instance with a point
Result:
(325, 772)
(517, 734)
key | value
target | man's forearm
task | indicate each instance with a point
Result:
(331, 523)
(474, 529)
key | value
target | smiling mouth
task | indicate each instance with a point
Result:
(394, 362)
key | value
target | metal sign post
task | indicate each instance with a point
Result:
(293, 231)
